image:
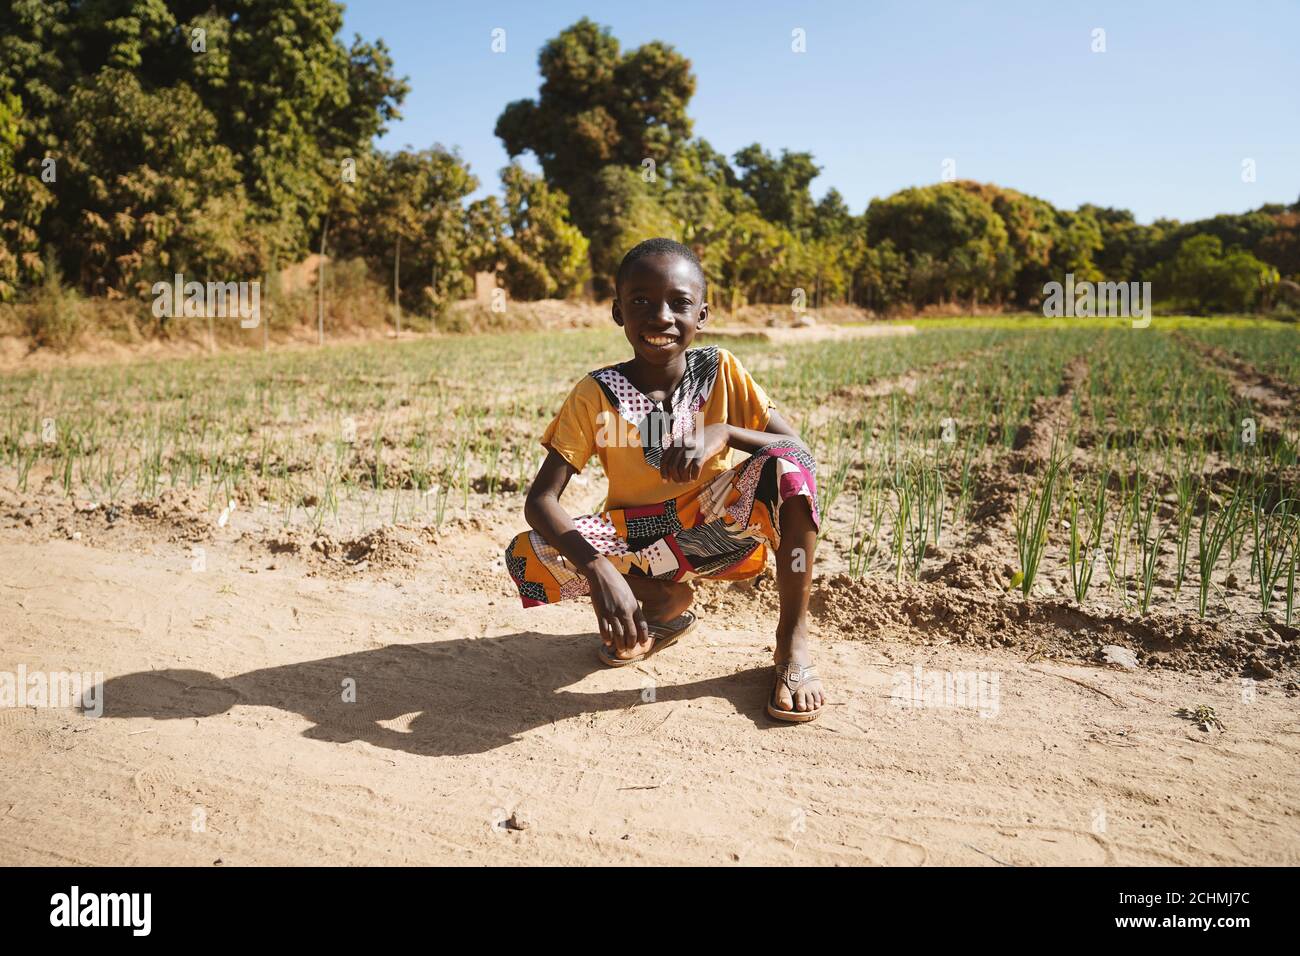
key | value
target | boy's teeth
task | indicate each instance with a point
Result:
(659, 339)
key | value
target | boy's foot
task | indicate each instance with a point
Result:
(663, 603)
(661, 636)
(797, 694)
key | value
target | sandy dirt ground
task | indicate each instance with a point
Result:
(484, 733)
(278, 696)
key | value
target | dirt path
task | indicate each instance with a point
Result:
(483, 732)
(1276, 400)
(847, 399)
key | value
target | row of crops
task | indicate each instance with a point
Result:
(1161, 478)
(374, 433)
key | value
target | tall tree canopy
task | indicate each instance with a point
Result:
(254, 101)
(597, 107)
(779, 186)
(954, 240)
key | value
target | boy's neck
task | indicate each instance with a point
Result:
(656, 378)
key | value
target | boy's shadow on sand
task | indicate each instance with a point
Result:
(469, 695)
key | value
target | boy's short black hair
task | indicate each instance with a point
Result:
(659, 246)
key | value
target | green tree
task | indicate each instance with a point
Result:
(156, 192)
(271, 88)
(703, 194)
(955, 243)
(752, 251)
(1234, 230)
(627, 210)
(1033, 233)
(597, 107)
(10, 241)
(779, 186)
(1202, 277)
(1078, 238)
(831, 217)
(407, 219)
(881, 279)
(543, 254)
(1128, 248)
(1281, 248)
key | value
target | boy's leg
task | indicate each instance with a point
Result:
(794, 565)
(661, 601)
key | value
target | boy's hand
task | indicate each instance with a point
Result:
(685, 461)
(622, 625)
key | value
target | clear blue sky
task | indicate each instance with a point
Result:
(1159, 123)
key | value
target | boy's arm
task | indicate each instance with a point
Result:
(544, 514)
(617, 611)
(749, 441)
(685, 462)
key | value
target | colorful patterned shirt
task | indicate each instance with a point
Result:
(606, 415)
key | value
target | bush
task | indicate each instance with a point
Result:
(54, 317)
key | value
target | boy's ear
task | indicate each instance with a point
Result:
(617, 313)
(703, 316)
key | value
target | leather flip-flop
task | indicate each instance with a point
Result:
(793, 676)
(665, 635)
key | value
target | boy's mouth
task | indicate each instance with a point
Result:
(658, 340)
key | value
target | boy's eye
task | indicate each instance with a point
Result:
(639, 300)
(681, 305)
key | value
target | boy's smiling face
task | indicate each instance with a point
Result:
(660, 304)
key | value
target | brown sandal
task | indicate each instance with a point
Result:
(793, 676)
(665, 635)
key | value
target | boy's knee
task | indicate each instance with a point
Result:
(794, 471)
(807, 460)
(789, 449)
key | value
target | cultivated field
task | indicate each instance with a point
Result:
(1099, 522)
